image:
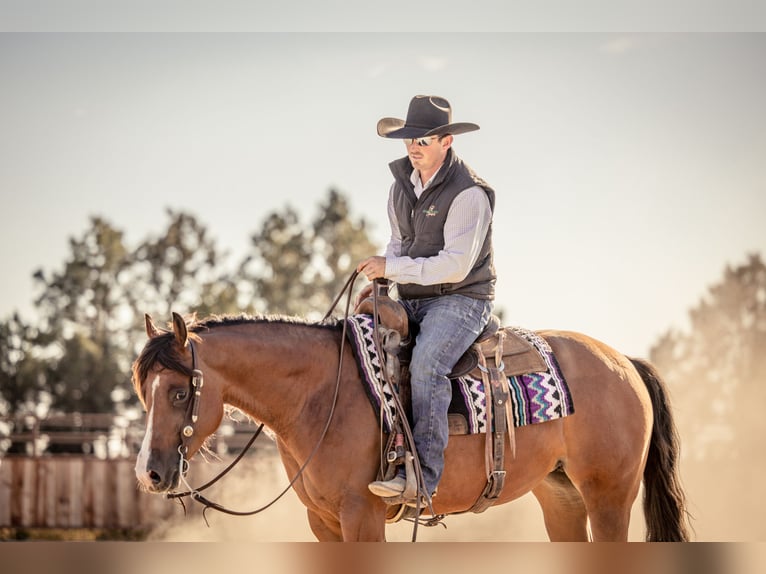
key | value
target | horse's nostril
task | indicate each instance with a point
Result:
(155, 477)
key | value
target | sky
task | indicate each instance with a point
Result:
(629, 167)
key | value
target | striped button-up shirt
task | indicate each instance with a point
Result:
(464, 232)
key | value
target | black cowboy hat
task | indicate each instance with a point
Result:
(426, 116)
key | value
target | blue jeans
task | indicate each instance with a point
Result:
(449, 324)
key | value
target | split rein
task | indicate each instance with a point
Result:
(196, 383)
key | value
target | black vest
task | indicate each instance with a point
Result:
(421, 225)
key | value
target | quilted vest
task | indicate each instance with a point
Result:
(421, 224)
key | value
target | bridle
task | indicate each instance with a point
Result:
(196, 383)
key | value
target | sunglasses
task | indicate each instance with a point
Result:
(422, 142)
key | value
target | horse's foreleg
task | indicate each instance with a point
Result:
(323, 531)
(363, 519)
(358, 523)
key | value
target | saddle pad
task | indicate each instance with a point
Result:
(536, 397)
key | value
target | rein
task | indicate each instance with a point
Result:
(196, 383)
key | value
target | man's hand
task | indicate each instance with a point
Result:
(373, 267)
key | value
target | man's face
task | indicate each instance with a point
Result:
(427, 159)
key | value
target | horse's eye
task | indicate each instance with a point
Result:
(180, 395)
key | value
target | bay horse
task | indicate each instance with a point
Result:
(584, 469)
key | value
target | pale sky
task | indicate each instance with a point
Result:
(630, 169)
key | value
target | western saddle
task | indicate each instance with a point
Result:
(497, 354)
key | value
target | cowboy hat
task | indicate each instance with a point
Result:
(426, 116)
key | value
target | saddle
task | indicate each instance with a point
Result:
(498, 353)
(518, 355)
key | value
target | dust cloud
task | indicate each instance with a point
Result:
(258, 479)
(722, 487)
(722, 499)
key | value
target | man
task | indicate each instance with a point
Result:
(440, 259)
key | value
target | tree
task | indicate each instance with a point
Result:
(87, 320)
(180, 269)
(339, 244)
(278, 267)
(86, 293)
(718, 370)
(22, 372)
(299, 270)
(90, 324)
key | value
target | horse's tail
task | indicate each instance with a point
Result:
(664, 499)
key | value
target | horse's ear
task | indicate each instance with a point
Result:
(179, 328)
(151, 330)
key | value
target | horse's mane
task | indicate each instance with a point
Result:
(160, 349)
(213, 321)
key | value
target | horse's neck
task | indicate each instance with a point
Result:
(274, 371)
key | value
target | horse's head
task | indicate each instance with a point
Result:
(181, 411)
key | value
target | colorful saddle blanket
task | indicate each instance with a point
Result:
(536, 397)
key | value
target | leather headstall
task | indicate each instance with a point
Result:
(196, 382)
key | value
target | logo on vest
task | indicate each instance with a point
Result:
(431, 211)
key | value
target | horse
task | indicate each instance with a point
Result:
(297, 378)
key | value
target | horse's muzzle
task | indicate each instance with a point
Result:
(161, 474)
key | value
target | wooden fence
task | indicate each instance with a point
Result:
(42, 489)
(76, 492)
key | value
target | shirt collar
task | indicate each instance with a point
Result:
(415, 180)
